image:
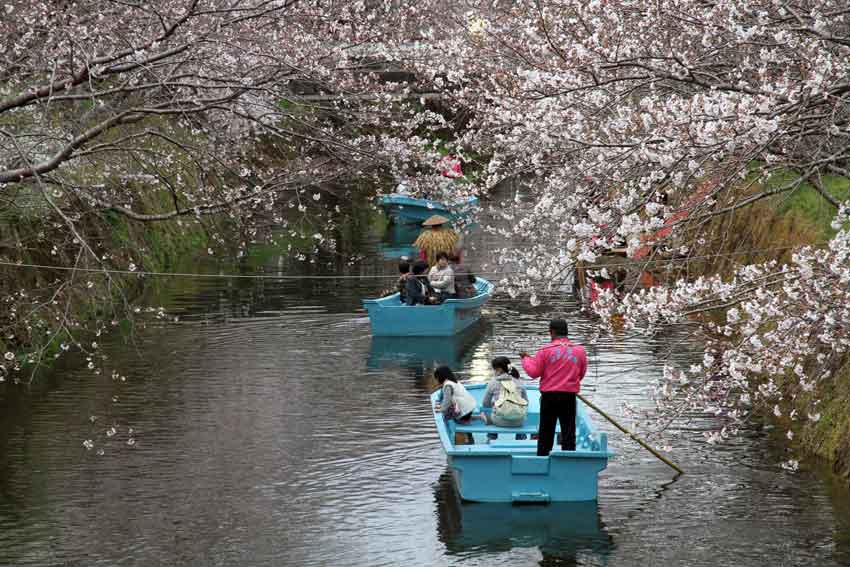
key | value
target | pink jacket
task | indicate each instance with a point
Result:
(561, 364)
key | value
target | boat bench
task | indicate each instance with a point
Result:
(509, 442)
(483, 428)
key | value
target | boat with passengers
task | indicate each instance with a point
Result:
(389, 317)
(502, 468)
(406, 209)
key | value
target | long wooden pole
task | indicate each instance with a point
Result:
(640, 441)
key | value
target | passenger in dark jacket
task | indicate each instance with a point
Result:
(417, 289)
(464, 281)
(404, 270)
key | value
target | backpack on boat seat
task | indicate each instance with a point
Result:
(510, 406)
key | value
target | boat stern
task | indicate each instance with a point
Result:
(497, 475)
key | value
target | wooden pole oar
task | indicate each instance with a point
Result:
(640, 441)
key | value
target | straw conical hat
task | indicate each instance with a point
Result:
(435, 240)
(435, 220)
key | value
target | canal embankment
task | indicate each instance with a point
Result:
(770, 230)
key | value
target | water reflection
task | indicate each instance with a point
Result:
(564, 533)
(273, 430)
(426, 352)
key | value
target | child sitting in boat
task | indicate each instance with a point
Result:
(506, 395)
(454, 402)
(442, 277)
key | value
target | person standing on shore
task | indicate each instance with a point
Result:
(560, 365)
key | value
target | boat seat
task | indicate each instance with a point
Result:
(508, 441)
(530, 444)
(483, 428)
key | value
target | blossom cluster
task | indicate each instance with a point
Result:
(630, 125)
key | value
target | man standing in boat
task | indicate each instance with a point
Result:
(560, 365)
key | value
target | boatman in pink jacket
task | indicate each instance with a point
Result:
(560, 365)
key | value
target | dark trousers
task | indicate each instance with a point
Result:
(554, 407)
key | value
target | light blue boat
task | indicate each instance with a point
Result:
(508, 470)
(389, 317)
(407, 209)
(396, 252)
(398, 241)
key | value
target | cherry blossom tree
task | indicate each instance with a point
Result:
(628, 124)
(617, 117)
(179, 112)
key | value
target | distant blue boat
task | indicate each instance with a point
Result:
(398, 241)
(389, 317)
(407, 209)
(395, 252)
(508, 470)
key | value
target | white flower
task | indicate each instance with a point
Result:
(790, 465)
(476, 26)
(88, 444)
(317, 196)
(132, 267)
(9, 356)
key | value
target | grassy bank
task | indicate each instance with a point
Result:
(829, 438)
(48, 311)
(767, 230)
(45, 312)
(770, 230)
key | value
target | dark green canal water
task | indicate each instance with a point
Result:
(269, 428)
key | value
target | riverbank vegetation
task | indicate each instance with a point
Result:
(693, 135)
(712, 137)
(131, 134)
(773, 231)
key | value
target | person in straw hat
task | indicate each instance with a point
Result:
(435, 238)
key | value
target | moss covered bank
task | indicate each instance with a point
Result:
(770, 230)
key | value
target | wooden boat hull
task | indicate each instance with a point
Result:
(406, 209)
(509, 470)
(391, 318)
